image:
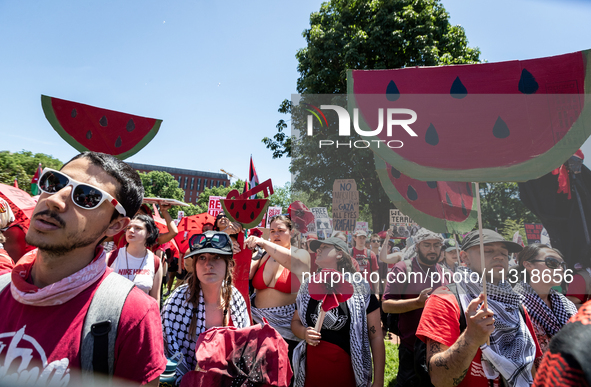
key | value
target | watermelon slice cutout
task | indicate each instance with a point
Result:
(249, 212)
(89, 128)
(440, 206)
(506, 121)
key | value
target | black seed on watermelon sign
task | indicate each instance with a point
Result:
(392, 93)
(458, 90)
(74, 113)
(118, 142)
(500, 130)
(431, 137)
(394, 172)
(464, 210)
(258, 204)
(469, 188)
(89, 134)
(244, 206)
(411, 194)
(130, 125)
(448, 200)
(527, 83)
(252, 215)
(232, 205)
(103, 121)
(432, 184)
(237, 215)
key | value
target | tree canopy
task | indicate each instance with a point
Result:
(349, 34)
(22, 166)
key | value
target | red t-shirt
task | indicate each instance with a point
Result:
(52, 335)
(441, 322)
(6, 263)
(365, 265)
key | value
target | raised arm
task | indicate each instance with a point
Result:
(403, 306)
(389, 258)
(296, 261)
(449, 365)
(172, 229)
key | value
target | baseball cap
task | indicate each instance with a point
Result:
(359, 233)
(214, 242)
(489, 236)
(315, 244)
(450, 245)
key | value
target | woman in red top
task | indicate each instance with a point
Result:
(277, 277)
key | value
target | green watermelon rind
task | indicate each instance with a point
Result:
(528, 170)
(57, 126)
(253, 223)
(424, 220)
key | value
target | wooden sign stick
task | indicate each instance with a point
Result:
(482, 262)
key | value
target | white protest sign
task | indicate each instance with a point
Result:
(215, 205)
(362, 226)
(402, 225)
(323, 222)
(271, 212)
(345, 204)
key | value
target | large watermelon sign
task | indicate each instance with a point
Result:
(507, 121)
(89, 128)
(440, 206)
(248, 212)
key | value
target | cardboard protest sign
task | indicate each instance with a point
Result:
(533, 232)
(345, 204)
(215, 205)
(402, 225)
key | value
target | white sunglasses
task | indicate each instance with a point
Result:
(83, 195)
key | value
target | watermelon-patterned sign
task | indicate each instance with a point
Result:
(440, 206)
(89, 128)
(506, 121)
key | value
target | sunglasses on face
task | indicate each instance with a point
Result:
(83, 195)
(552, 263)
(217, 241)
(375, 241)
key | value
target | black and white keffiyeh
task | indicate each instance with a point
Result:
(176, 321)
(359, 337)
(550, 319)
(279, 317)
(512, 349)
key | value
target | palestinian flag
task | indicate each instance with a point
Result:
(35, 180)
(253, 178)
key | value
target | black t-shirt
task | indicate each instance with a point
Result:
(338, 320)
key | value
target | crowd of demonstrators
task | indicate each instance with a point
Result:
(467, 344)
(276, 278)
(549, 309)
(350, 336)
(57, 284)
(207, 300)
(135, 261)
(365, 258)
(409, 286)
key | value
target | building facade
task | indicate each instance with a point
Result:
(190, 181)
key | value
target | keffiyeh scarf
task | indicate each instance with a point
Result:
(512, 349)
(550, 319)
(278, 317)
(358, 336)
(176, 322)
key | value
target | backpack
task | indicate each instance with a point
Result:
(393, 318)
(420, 350)
(99, 332)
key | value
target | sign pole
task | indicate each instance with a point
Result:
(482, 262)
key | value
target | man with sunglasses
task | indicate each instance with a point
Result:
(464, 340)
(53, 288)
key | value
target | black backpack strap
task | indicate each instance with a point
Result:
(4, 281)
(97, 348)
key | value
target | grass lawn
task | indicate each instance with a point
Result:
(391, 364)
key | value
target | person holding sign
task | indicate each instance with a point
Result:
(462, 351)
(277, 277)
(350, 335)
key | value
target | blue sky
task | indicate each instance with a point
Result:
(214, 71)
